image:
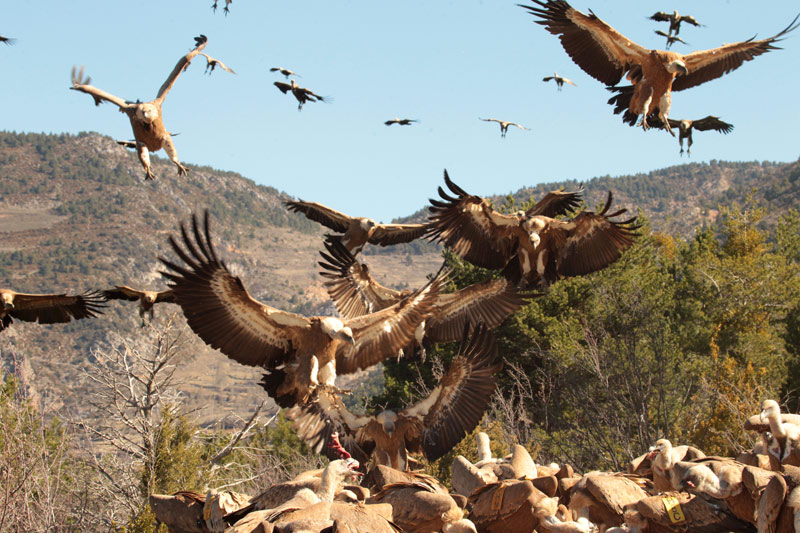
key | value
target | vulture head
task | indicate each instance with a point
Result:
(147, 113)
(150, 297)
(532, 227)
(387, 420)
(770, 409)
(366, 223)
(8, 300)
(662, 445)
(336, 329)
(677, 66)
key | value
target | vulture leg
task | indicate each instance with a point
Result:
(664, 104)
(144, 158)
(689, 144)
(141, 315)
(169, 147)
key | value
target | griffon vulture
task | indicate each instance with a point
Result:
(400, 121)
(607, 55)
(545, 248)
(357, 230)
(146, 299)
(674, 20)
(560, 80)
(146, 117)
(431, 426)
(302, 94)
(685, 128)
(212, 63)
(226, 9)
(48, 308)
(503, 125)
(285, 71)
(671, 39)
(7, 40)
(299, 352)
(355, 292)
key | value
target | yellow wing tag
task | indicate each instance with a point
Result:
(497, 497)
(673, 509)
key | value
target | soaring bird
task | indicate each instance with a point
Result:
(671, 39)
(302, 94)
(560, 80)
(432, 426)
(146, 119)
(285, 71)
(146, 299)
(544, 247)
(212, 63)
(401, 121)
(226, 9)
(685, 128)
(503, 125)
(607, 55)
(357, 230)
(47, 308)
(300, 353)
(674, 20)
(7, 40)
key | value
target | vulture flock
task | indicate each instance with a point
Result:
(667, 489)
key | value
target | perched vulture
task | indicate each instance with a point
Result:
(663, 457)
(506, 506)
(357, 230)
(146, 299)
(418, 507)
(181, 512)
(674, 20)
(697, 514)
(299, 352)
(784, 443)
(400, 121)
(544, 248)
(48, 308)
(355, 292)
(212, 63)
(503, 125)
(685, 128)
(601, 498)
(432, 426)
(226, 9)
(607, 55)
(720, 479)
(285, 71)
(671, 39)
(146, 118)
(560, 80)
(7, 40)
(302, 94)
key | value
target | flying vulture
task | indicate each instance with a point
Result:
(357, 230)
(674, 20)
(545, 248)
(503, 125)
(560, 80)
(226, 9)
(302, 94)
(212, 63)
(48, 308)
(146, 299)
(400, 121)
(285, 71)
(671, 39)
(146, 120)
(300, 353)
(355, 292)
(7, 40)
(431, 426)
(607, 55)
(685, 128)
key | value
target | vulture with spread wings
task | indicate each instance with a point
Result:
(560, 80)
(432, 426)
(400, 121)
(301, 94)
(146, 117)
(357, 230)
(355, 293)
(48, 308)
(543, 247)
(607, 55)
(685, 128)
(675, 19)
(300, 353)
(146, 299)
(504, 124)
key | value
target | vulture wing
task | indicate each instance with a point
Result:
(167, 296)
(326, 216)
(123, 292)
(79, 83)
(54, 308)
(386, 234)
(183, 64)
(556, 203)
(661, 17)
(770, 504)
(284, 87)
(382, 334)
(712, 123)
(707, 65)
(615, 491)
(690, 20)
(672, 123)
(474, 230)
(548, 78)
(458, 402)
(593, 45)
(212, 62)
(220, 310)
(350, 285)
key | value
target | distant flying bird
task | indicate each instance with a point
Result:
(285, 71)
(146, 119)
(146, 299)
(432, 426)
(674, 20)
(402, 122)
(685, 128)
(357, 230)
(7, 40)
(226, 10)
(212, 63)
(606, 55)
(47, 308)
(503, 125)
(671, 39)
(560, 80)
(299, 353)
(302, 94)
(543, 247)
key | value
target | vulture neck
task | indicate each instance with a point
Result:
(484, 449)
(331, 479)
(776, 425)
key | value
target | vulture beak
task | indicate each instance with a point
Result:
(690, 484)
(679, 67)
(653, 452)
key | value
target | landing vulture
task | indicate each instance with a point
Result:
(400, 121)
(607, 55)
(545, 248)
(357, 230)
(146, 299)
(212, 63)
(685, 128)
(146, 118)
(560, 80)
(431, 426)
(355, 292)
(302, 94)
(300, 353)
(48, 308)
(671, 39)
(504, 124)
(674, 20)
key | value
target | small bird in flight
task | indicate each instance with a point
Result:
(285, 71)
(674, 20)
(212, 63)
(302, 94)
(402, 122)
(560, 80)
(503, 125)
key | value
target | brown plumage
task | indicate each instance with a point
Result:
(544, 248)
(674, 20)
(601, 498)
(400, 121)
(418, 507)
(301, 94)
(720, 479)
(285, 71)
(671, 39)
(181, 512)
(685, 128)
(381, 475)
(146, 299)
(504, 124)
(506, 506)
(560, 80)
(432, 426)
(357, 230)
(299, 352)
(48, 308)
(700, 514)
(663, 456)
(607, 55)
(212, 63)
(7, 40)
(146, 117)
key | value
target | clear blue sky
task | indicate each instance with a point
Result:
(445, 63)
